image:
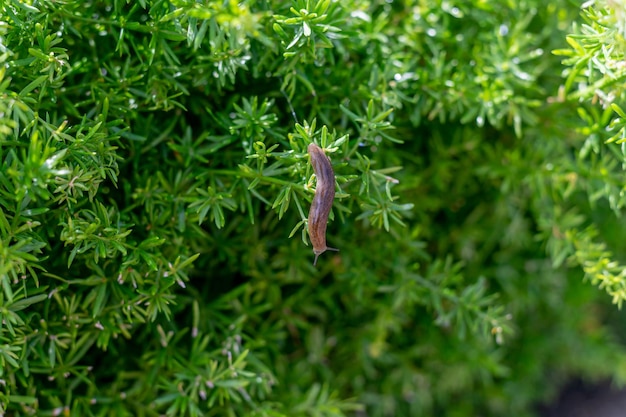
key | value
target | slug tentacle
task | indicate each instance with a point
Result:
(322, 201)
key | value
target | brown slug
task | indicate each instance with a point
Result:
(323, 200)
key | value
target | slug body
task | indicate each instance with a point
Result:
(323, 200)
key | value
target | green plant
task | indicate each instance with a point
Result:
(154, 187)
(595, 81)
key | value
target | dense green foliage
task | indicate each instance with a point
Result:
(154, 190)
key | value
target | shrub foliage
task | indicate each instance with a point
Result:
(154, 191)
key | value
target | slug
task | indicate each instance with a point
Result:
(322, 201)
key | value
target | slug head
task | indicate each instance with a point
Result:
(318, 252)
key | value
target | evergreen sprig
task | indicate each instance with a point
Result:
(594, 80)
